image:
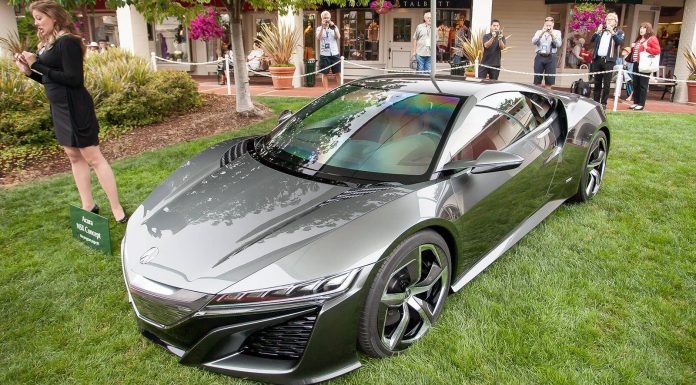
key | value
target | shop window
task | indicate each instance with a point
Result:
(360, 35)
(447, 23)
(104, 27)
(402, 30)
(309, 23)
(171, 40)
(259, 21)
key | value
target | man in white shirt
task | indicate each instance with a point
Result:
(328, 35)
(608, 40)
(421, 44)
(547, 41)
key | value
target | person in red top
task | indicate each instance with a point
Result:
(647, 41)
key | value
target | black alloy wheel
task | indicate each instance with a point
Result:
(407, 295)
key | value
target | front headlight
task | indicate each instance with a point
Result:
(318, 289)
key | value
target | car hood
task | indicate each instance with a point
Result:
(236, 220)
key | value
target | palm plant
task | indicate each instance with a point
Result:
(279, 43)
(14, 43)
(473, 46)
(690, 57)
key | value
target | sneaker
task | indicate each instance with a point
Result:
(638, 108)
(633, 106)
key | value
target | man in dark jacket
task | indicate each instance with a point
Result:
(608, 40)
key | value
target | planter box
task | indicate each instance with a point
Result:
(691, 92)
(282, 77)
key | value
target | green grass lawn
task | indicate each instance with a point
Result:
(600, 293)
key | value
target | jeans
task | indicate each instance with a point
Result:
(456, 60)
(641, 91)
(423, 63)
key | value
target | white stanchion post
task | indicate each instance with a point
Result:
(476, 63)
(227, 75)
(343, 74)
(619, 83)
(153, 61)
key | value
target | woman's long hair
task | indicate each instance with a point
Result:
(648, 30)
(62, 20)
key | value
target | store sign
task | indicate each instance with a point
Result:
(441, 4)
(595, 1)
(91, 229)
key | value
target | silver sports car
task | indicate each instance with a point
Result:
(278, 257)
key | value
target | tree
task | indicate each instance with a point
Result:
(157, 10)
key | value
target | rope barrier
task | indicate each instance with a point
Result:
(290, 77)
(187, 63)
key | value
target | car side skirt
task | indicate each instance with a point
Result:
(517, 234)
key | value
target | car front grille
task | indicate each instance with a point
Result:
(284, 341)
(165, 311)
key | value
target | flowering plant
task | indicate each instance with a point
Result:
(381, 6)
(586, 17)
(206, 26)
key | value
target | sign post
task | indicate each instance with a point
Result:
(91, 229)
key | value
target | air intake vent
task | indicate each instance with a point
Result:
(354, 193)
(240, 148)
(286, 341)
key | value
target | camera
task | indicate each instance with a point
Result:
(604, 27)
(332, 26)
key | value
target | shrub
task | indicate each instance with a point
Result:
(125, 90)
(21, 127)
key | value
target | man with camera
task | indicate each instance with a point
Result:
(547, 41)
(493, 45)
(608, 40)
(327, 37)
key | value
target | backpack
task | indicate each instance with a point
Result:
(580, 87)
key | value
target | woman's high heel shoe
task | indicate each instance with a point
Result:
(95, 209)
(124, 219)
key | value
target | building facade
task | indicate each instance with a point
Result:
(373, 42)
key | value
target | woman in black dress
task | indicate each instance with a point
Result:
(59, 67)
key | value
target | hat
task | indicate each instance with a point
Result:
(93, 44)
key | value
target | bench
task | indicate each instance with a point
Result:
(668, 85)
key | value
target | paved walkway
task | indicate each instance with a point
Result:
(264, 87)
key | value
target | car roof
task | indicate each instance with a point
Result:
(443, 84)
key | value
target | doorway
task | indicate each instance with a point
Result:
(402, 24)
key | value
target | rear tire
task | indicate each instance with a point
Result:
(407, 295)
(593, 171)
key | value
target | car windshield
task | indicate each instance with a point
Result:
(363, 134)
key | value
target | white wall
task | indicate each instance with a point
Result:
(132, 31)
(8, 22)
(521, 19)
(687, 40)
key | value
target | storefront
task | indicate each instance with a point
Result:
(375, 42)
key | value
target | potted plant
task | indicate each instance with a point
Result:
(691, 65)
(472, 49)
(278, 43)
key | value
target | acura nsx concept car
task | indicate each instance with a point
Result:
(279, 257)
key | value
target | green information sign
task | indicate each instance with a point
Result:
(91, 229)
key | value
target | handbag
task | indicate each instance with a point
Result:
(648, 63)
(413, 64)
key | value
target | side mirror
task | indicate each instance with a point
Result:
(284, 115)
(488, 161)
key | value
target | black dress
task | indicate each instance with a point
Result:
(60, 70)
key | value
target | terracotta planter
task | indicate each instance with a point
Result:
(691, 92)
(469, 74)
(282, 77)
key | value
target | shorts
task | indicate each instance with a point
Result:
(326, 61)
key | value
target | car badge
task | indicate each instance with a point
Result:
(149, 255)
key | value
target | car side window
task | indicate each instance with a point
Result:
(541, 105)
(487, 129)
(514, 104)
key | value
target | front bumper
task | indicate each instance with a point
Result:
(302, 344)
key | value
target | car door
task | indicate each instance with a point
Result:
(494, 204)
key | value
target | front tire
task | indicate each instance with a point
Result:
(593, 171)
(407, 295)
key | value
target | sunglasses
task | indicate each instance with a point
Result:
(549, 19)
